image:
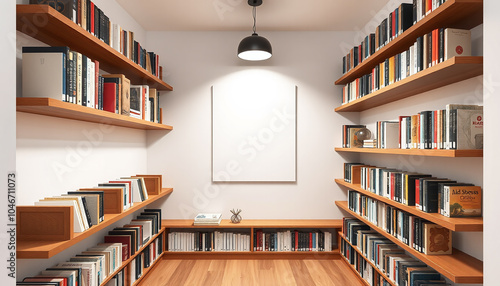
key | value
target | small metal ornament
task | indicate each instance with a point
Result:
(235, 218)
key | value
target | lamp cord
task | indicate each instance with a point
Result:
(254, 18)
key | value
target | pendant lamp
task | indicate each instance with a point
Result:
(255, 47)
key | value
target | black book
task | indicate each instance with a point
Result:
(420, 54)
(441, 196)
(159, 249)
(87, 214)
(106, 28)
(100, 92)
(383, 30)
(441, 46)
(386, 79)
(138, 266)
(97, 26)
(431, 194)
(390, 27)
(146, 257)
(88, 15)
(405, 17)
(355, 57)
(415, 11)
(101, 25)
(429, 50)
(84, 80)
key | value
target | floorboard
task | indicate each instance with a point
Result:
(251, 273)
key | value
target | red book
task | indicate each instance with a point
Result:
(360, 54)
(417, 194)
(96, 102)
(357, 88)
(109, 97)
(92, 19)
(435, 124)
(428, 7)
(435, 47)
(144, 103)
(125, 240)
(392, 186)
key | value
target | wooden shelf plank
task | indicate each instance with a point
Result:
(47, 249)
(463, 14)
(454, 224)
(416, 152)
(45, 24)
(367, 260)
(451, 71)
(459, 267)
(258, 223)
(57, 108)
(127, 262)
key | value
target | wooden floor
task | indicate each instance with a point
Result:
(251, 272)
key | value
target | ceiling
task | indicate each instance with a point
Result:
(236, 15)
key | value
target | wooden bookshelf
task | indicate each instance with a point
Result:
(57, 108)
(45, 24)
(127, 262)
(463, 14)
(416, 152)
(459, 267)
(454, 224)
(47, 249)
(250, 226)
(375, 268)
(451, 71)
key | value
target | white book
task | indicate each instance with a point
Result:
(136, 98)
(99, 261)
(78, 225)
(79, 80)
(107, 260)
(116, 37)
(134, 189)
(91, 82)
(89, 275)
(44, 72)
(391, 135)
(457, 42)
(115, 247)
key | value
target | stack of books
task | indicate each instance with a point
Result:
(208, 219)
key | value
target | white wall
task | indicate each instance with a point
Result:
(7, 125)
(193, 62)
(57, 155)
(491, 139)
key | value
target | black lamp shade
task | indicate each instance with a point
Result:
(255, 48)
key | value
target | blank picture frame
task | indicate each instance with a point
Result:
(254, 131)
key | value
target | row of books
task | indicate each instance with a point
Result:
(386, 256)
(208, 241)
(398, 21)
(93, 266)
(92, 19)
(457, 127)
(133, 236)
(361, 265)
(429, 194)
(293, 240)
(409, 229)
(427, 51)
(88, 203)
(63, 74)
